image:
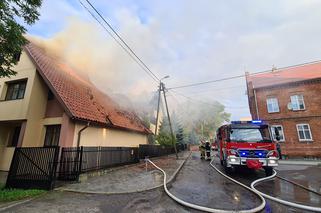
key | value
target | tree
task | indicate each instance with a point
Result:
(180, 135)
(164, 136)
(200, 120)
(11, 32)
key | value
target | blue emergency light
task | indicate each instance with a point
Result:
(248, 122)
(257, 121)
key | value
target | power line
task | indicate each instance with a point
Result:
(239, 76)
(216, 89)
(208, 103)
(192, 99)
(206, 82)
(118, 42)
(123, 41)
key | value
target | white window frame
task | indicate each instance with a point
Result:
(297, 99)
(273, 133)
(297, 129)
(273, 104)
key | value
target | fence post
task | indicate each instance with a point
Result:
(146, 163)
(80, 161)
(52, 173)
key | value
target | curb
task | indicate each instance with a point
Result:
(18, 202)
(90, 174)
(299, 185)
(301, 163)
(130, 192)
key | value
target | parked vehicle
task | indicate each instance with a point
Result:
(247, 143)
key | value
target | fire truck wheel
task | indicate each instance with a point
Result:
(228, 170)
(268, 171)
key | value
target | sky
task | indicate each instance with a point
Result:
(192, 41)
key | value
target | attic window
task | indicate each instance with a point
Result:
(16, 56)
(50, 95)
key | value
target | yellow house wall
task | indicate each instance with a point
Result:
(6, 153)
(31, 108)
(97, 136)
(35, 115)
(17, 109)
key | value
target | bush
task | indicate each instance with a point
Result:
(165, 139)
(7, 195)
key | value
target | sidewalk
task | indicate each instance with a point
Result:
(130, 178)
(301, 162)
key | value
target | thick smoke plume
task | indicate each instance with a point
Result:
(96, 56)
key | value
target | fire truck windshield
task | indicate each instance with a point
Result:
(250, 135)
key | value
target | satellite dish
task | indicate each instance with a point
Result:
(289, 106)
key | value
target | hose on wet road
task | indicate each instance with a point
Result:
(292, 204)
(260, 194)
(207, 209)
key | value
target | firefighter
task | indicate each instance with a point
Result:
(202, 149)
(278, 148)
(207, 151)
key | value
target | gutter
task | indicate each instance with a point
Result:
(79, 133)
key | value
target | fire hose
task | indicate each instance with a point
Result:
(292, 204)
(252, 189)
(207, 209)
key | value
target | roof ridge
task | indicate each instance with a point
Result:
(275, 69)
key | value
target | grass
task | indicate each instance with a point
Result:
(7, 195)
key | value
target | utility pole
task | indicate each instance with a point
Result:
(158, 103)
(169, 119)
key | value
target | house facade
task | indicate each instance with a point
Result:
(47, 104)
(289, 99)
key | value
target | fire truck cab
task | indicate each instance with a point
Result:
(247, 143)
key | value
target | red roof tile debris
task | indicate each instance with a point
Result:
(81, 99)
(286, 75)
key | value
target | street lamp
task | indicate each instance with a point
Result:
(167, 76)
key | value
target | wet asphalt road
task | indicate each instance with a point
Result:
(197, 182)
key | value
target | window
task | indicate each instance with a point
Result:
(52, 135)
(16, 90)
(16, 56)
(15, 137)
(281, 133)
(304, 132)
(297, 102)
(272, 105)
(250, 135)
(50, 95)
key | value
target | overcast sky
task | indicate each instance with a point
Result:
(194, 41)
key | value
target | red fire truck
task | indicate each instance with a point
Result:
(247, 143)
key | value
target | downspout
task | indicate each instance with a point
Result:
(257, 110)
(79, 133)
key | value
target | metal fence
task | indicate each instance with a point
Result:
(70, 166)
(151, 150)
(103, 157)
(75, 160)
(33, 167)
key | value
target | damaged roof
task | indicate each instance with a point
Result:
(80, 98)
(286, 75)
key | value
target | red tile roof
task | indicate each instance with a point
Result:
(287, 75)
(80, 98)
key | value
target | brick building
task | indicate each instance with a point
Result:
(290, 99)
